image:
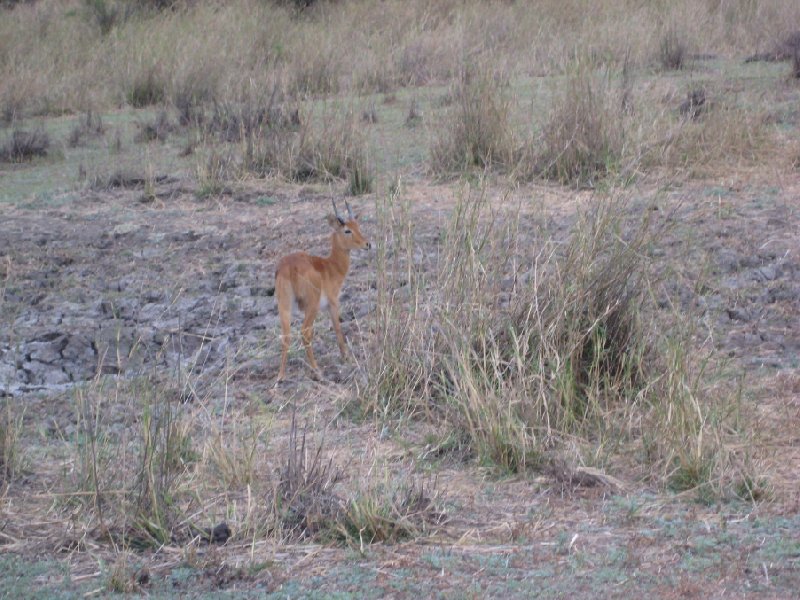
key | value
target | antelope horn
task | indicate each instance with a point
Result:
(349, 210)
(336, 210)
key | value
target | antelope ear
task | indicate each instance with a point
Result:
(335, 221)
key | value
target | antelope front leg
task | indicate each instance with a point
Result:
(333, 309)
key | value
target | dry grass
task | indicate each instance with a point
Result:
(476, 131)
(523, 349)
(24, 145)
(206, 51)
(584, 135)
(322, 148)
(557, 352)
(11, 455)
(721, 137)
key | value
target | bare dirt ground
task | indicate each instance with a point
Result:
(111, 285)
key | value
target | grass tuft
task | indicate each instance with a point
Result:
(388, 512)
(304, 501)
(583, 136)
(146, 88)
(156, 130)
(673, 48)
(24, 145)
(11, 457)
(88, 126)
(476, 131)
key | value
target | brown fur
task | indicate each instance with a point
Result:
(303, 278)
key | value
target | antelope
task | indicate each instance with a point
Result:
(314, 282)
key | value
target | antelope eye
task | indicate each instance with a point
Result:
(347, 232)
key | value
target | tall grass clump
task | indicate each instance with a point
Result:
(130, 481)
(673, 49)
(531, 346)
(477, 130)
(399, 365)
(11, 454)
(326, 147)
(165, 452)
(303, 501)
(583, 137)
(567, 351)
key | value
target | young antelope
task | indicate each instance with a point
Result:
(314, 282)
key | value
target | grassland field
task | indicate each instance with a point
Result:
(573, 347)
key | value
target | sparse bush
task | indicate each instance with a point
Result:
(25, 145)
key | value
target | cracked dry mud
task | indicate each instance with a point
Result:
(112, 286)
(119, 288)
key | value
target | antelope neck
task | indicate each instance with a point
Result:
(339, 257)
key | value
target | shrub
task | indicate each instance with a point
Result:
(25, 145)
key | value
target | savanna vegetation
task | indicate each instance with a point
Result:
(573, 349)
